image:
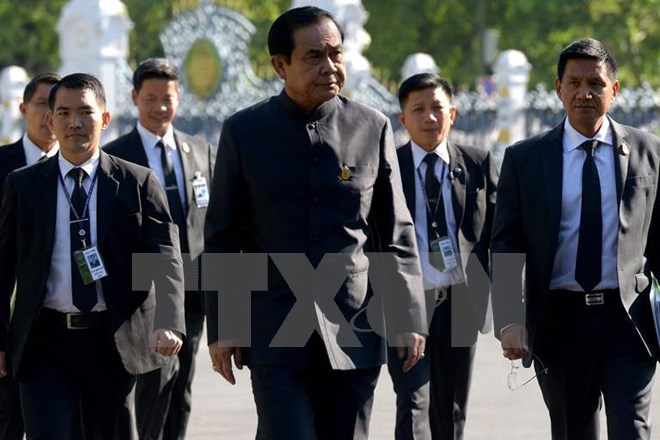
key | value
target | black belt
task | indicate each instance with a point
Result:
(74, 320)
(593, 298)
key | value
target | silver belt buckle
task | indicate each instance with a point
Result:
(594, 299)
(70, 325)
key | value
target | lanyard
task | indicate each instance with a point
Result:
(433, 213)
(68, 197)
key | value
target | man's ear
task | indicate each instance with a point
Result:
(278, 62)
(402, 118)
(134, 96)
(105, 118)
(49, 119)
(21, 107)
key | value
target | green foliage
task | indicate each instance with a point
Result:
(28, 34)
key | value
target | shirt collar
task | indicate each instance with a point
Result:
(89, 166)
(573, 138)
(149, 140)
(34, 153)
(419, 153)
(321, 111)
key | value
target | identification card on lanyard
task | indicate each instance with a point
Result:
(442, 254)
(200, 190)
(90, 265)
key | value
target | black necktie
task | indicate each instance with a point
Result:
(83, 296)
(173, 197)
(589, 252)
(436, 223)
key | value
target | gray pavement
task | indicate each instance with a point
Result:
(222, 411)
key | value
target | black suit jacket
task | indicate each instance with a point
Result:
(12, 157)
(278, 189)
(473, 179)
(527, 219)
(195, 157)
(132, 217)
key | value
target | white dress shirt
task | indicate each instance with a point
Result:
(34, 153)
(149, 142)
(59, 284)
(563, 271)
(433, 278)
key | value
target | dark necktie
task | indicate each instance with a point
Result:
(173, 197)
(589, 252)
(436, 223)
(83, 296)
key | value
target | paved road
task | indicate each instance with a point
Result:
(222, 411)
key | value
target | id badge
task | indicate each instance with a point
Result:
(200, 191)
(90, 265)
(442, 254)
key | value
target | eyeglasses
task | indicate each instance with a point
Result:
(516, 379)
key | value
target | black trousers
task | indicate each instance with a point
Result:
(163, 397)
(313, 403)
(11, 418)
(593, 354)
(67, 374)
(432, 398)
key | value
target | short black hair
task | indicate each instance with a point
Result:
(154, 68)
(49, 78)
(78, 81)
(590, 49)
(423, 81)
(280, 35)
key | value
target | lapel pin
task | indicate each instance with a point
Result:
(186, 147)
(344, 173)
(624, 149)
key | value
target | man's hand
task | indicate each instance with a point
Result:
(221, 353)
(411, 346)
(514, 341)
(165, 342)
(3, 366)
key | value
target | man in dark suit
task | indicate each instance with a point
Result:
(80, 334)
(580, 206)
(311, 179)
(450, 192)
(183, 166)
(38, 143)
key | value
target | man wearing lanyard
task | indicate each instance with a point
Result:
(183, 164)
(68, 230)
(450, 191)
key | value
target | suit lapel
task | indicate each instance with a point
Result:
(187, 162)
(107, 189)
(18, 153)
(458, 178)
(133, 154)
(407, 167)
(552, 174)
(621, 151)
(46, 199)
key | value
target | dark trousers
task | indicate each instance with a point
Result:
(593, 351)
(432, 397)
(67, 374)
(11, 419)
(163, 397)
(313, 403)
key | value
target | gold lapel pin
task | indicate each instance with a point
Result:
(344, 173)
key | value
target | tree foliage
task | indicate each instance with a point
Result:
(449, 30)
